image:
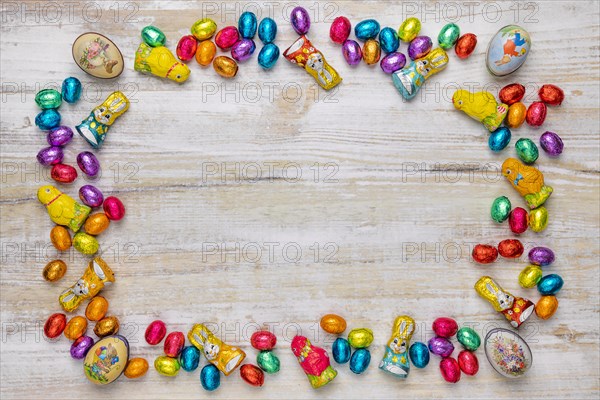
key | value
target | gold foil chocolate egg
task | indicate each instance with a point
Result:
(84, 243)
(225, 66)
(97, 223)
(516, 115)
(334, 324)
(107, 326)
(530, 276)
(106, 360)
(205, 52)
(76, 327)
(538, 219)
(60, 238)
(167, 366)
(371, 51)
(546, 307)
(136, 368)
(360, 338)
(54, 270)
(96, 308)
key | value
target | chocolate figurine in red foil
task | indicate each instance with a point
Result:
(314, 361)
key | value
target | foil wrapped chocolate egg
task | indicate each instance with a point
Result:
(507, 353)
(268, 56)
(96, 308)
(538, 219)
(393, 62)
(60, 238)
(88, 163)
(210, 377)
(113, 208)
(203, 29)
(465, 45)
(63, 173)
(107, 326)
(174, 343)
(409, 29)
(243, 50)
(205, 52)
(388, 39)
(153, 36)
(189, 358)
(371, 51)
(71, 90)
(419, 354)
(445, 327)
(50, 155)
(510, 94)
(333, 323)
(450, 370)
(484, 253)
(47, 119)
(267, 30)
(468, 362)
(499, 139)
(518, 220)
(541, 256)
(511, 248)
(549, 285)
(530, 276)
(112, 353)
(59, 136)
(340, 30)
(186, 48)
(225, 66)
(527, 151)
(448, 36)
(500, 209)
(508, 50)
(54, 270)
(227, 37)
(85, 244)
(95, 224)
(352, 52)
(166, 366)
(155, 332)
(263, 340)
(252, 375)
(546, 307)
(300, 20)
(55, 325)
(419, 47)
(136, 368)
(367, 29)
(440, 346)
(76, 327)
(468, 338)
(247, 24)
(360, 360)
(48, 98)
(360, 338)
(551, 95)
(341, 351)
(81, 346)
(268, 362)
(551, 143)
(536, 114)
(516, 115)
(91, 196)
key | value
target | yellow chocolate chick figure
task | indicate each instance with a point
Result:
(481, 106)
(161, 62)
(528, 181)
(62, 209)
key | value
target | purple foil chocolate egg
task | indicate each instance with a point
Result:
(91, 196)
(243, 49)
(393, 62)
(440, 346)
(81, 346)
(88, 163)
(551, 143)
(352, 52)
(59, 136)
(50, 155)
(300, 20)
(419, 47)
(541, 256)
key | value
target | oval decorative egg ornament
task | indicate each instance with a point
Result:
(516, 115)
(263, 340)
(389, 41)
(167, 366)
(300, 20)
(508, 50)
(541, 256)
(247, 25)
(538, 219)
(450, 370)
(71, 90)
(440, 346)
(81, 346)
(445, 327)
(268, 362)
(97, 56)
(352, 52)
(106, 360)
(367, 29)
(546, 307)
(551, 143)
(507, 353)
(530, 276)
(96, 308)
(205, 53)
(468, 362)
(409, 29)
(227, 37)
(268, 56)
(267, 30)
(549, 285)
(203, 29)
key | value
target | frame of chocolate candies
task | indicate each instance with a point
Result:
(106, 359)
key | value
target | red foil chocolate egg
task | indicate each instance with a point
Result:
(252, 375)
(551, 94)
(174, 344)
(484, 253)
(450, 370)
(155, 332)
(186, 48)
(510, 94)
(263, 340)
(55, 325)
(445, 327)
(511, 248)
(536, 113)
(468, 363)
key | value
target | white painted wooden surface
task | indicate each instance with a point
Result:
(408, 198)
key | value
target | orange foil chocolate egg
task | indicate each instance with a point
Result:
(510, 94)
(97, 223)
(96, 308)
(60, 238)
(510, 248)
(76, 328)
(332, 323)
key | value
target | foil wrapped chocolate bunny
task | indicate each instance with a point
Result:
(95, 127)
(395, 360)
(223, 356)
(96, 276)
(409, 79)
(314, 361)
(515, 309)
(305, 55)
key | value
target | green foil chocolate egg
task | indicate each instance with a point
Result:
(448, 36)
(527, 150)
(48, 98)
(468, 338)
(500, 209)
(268, 362)
(153, 36)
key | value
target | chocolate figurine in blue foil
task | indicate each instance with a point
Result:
(409, 80)
(395, 360)
(95, 127)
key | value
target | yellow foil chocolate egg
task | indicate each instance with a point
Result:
(60, 238)
(76, 327)
(225, 66)
(136, 368)
(360, 338)
(96, 308)
(516, 115)
(332, 323)
(538, 219)
(167, 366)
(546, 307)
(204, 28)
(106, 326)
(205, 53)
(530, 276)
(371, 51)
(97, 223)
(54, 270)
(84, 243)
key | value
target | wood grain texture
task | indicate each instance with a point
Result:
(215, 173)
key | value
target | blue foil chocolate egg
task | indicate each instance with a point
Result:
(247, 25)
(367, 29)
(267, 30)
(341, 351)
(189, 358)
(47, 119)
(550, 284)
(210, 377)
(499, 139)
(71, 90)
(360, 360)
(388, 39)
(419, 354)
(268, 56)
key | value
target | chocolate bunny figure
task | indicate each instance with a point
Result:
(395, 360)
(223, 356)
(96, 275)
(95, 127)
(515, 309)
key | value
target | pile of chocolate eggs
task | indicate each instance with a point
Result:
(358, 339)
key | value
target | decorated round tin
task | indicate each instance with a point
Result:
(97, 55)
(508, 50)
(508, 353)
(106, 360)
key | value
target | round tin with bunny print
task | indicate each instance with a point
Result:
(97, 55)
(106, 360)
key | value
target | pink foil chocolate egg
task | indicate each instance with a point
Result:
(113, 208)
(227, 37)
(450, 370)
(536, 113)
(445, 327)
(63, 173)
(174, 344)
(263, 340)
(186, 48)
(155, 332)
(518, 220)
(340, 30)
(468, 363)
